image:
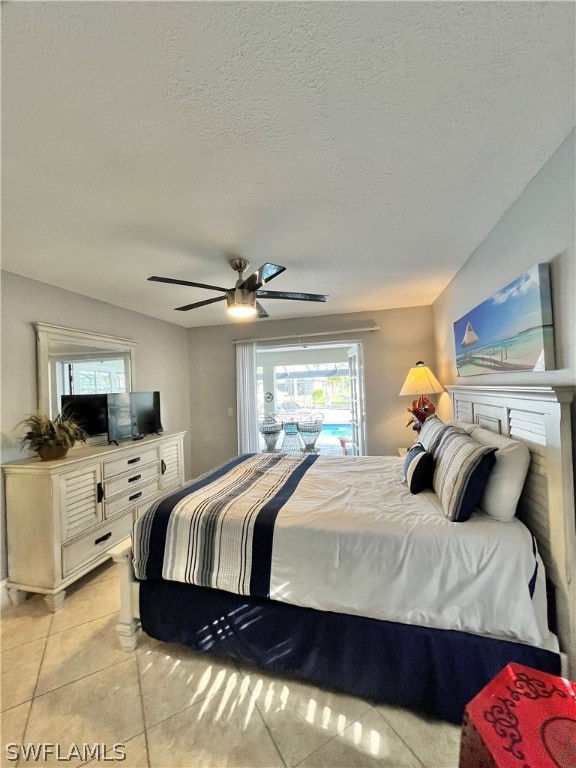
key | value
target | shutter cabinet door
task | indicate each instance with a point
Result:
(80, 499)
(171, 464)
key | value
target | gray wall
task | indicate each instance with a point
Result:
(161, 357)
(538, 227)
(405, 336)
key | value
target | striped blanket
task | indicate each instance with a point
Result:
(218, 530)
(347, 536)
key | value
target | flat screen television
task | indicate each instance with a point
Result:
(90, 411)
(119, 417)
(145, 413)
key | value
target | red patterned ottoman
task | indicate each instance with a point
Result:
(523, 718)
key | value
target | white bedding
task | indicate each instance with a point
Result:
(352, 539)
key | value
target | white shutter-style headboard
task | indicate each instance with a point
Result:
(541, 418)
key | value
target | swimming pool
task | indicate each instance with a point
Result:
(337, 430)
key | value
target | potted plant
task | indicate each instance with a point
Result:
(51, 438)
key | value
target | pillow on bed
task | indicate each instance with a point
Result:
(418, 468)
(431, 434)
(465, 426)
(463, 466)
(507, 478)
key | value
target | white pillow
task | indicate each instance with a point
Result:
(507, 477)
(469, 428)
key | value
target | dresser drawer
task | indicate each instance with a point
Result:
(130, 480)
(135, 459)
(90, 546)
(131, 498)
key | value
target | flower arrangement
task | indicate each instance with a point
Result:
(420, 410)
(45, 435)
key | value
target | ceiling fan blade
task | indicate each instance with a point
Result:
(293, 295)
(263, 275)
(173, 280)
(261, 311)
(186, 307)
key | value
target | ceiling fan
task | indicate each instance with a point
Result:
(243, 297)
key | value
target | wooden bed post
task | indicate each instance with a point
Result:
(128, 622)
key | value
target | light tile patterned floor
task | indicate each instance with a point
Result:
(65, 681)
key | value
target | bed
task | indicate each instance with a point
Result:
(297, 563)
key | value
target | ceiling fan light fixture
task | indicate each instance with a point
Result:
(241, 303)
(242, 300)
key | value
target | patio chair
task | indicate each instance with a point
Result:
(270, 429)
(309, 430)
(349, 447)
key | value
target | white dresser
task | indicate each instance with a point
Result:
(63, 516)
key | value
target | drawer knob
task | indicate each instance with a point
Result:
(134, 496)
(133, 479)
(103, 538)
(135, 460)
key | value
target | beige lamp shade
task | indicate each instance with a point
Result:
(421, 381)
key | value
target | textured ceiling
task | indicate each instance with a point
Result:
(369, 147)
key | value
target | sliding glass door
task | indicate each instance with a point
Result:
(295, 385)
(357, 415)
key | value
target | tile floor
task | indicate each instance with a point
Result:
(65, 681)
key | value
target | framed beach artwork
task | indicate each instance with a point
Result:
(510, 331)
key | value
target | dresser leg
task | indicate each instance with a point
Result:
(55, 602)
(17, 596)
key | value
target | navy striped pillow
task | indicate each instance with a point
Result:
(462, 470)
(431, 434)
(418, 468)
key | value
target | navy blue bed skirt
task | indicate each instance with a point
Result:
(431, 670)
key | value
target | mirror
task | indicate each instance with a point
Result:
(77, 362)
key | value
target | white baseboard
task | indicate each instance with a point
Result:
(4, 599)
